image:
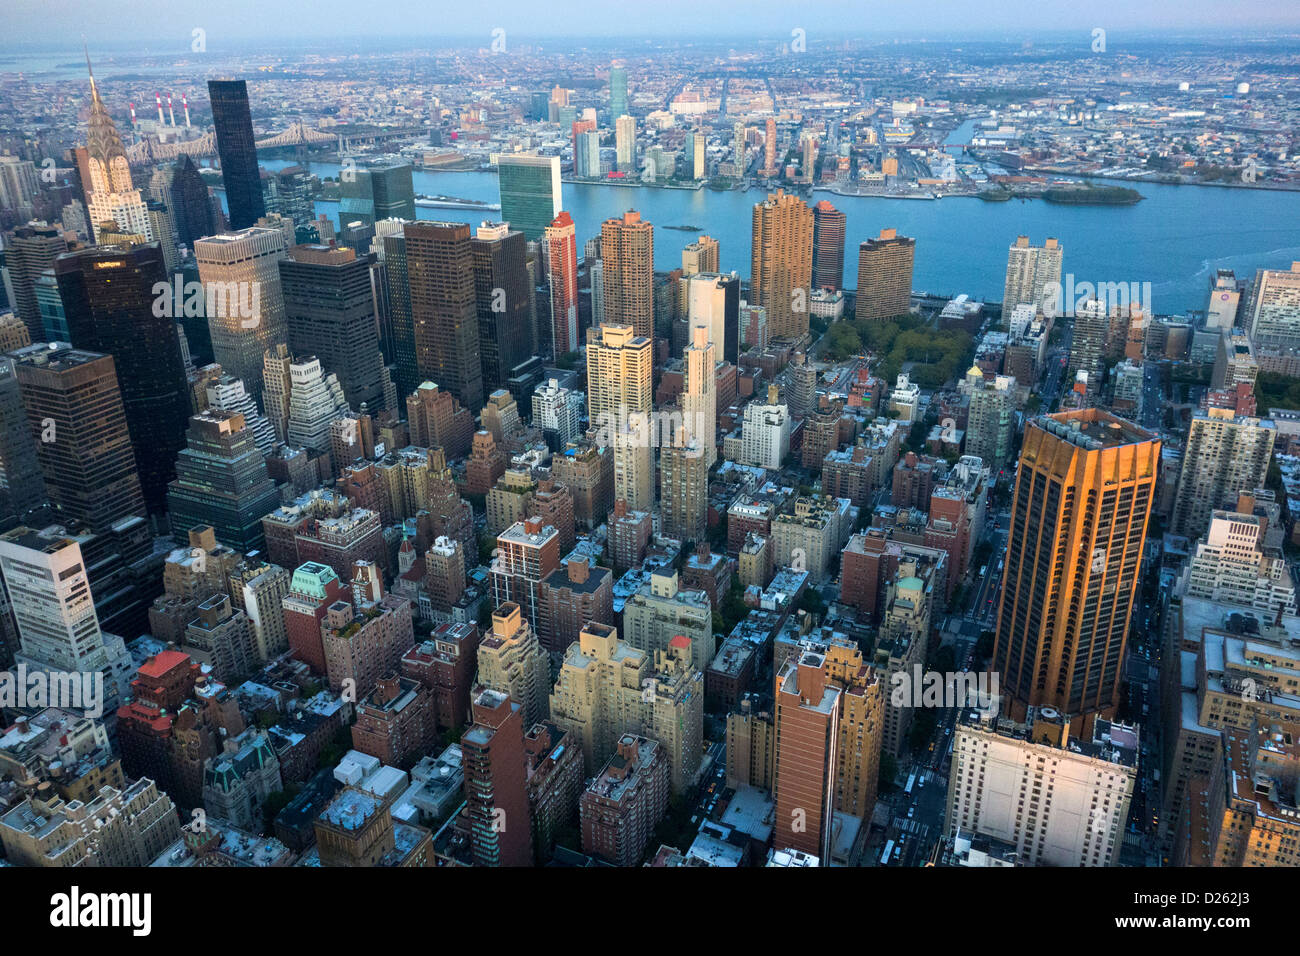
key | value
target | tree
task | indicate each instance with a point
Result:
(984, 646)
(888, 773)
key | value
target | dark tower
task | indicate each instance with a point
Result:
(238, 152)
(108, 297)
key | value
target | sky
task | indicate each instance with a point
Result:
(47, 23)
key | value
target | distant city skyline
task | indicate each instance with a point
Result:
(149, 22)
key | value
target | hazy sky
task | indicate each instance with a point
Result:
(156, 22)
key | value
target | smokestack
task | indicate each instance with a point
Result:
(171, 115)
(185, 105)
(158, 97)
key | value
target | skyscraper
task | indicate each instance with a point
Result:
(625, 143)
(1031, 271)
(192, 205)
(221, 481)
(329, 311)
(530, 192)
(617, 92)
(627, 255)
(398, 289)
(444, 316)
(496, 795)
(684, 489)
(74, 404)
(110, 194)
(237, 150)
(700, 396)
(700, 256)
(245, 301)
(1083, 493)
(29, 251)
(885, 276)
(108, 298)
(828, 246)
(713, 303)
(781, 263)
(561, 258)
(502, 297)
(619, 402)
(1272, 312)
(1226, 454)
(382, 189)
(22, 486)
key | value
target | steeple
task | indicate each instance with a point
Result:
(109, 170)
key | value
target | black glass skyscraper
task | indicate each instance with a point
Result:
(330, 311)
(108, 297)
(238, 151)
(192, 205)
(501, 293)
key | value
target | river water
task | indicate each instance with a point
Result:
(1175, 238)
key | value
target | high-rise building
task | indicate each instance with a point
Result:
(511, 661)
(1226, 453)
(806, 738)
(440, 276)
(312, 589)
(108, 298)
(1240, 562)
(73, 399)
(561, 258)
(22, 486)
(530, 192)
(661, 611)
(1234, 361)
(29, 251)
(1084, 490)
(1272, 312)
(381, 189)
(684, 490)
(700, 396)
(765, 432)
(1090, 329)
(627, 255)
(828, 246)
(110, 194)
(1032, 272)
(625, 143)
(619, 402)
(496, 793)
(329, 311)
(885, 276)
(191, 203)
(245, 302)
(701, 256)
(221, 481)
(713, 302)
(769, 148)
(1058, 799)
(617, 91)
(527, 552)
(237, 150)
(503, 297)
(625, 801)
(316, 401)
(991, 422)
(607, 688)
(780, 277)
(1225, 300)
